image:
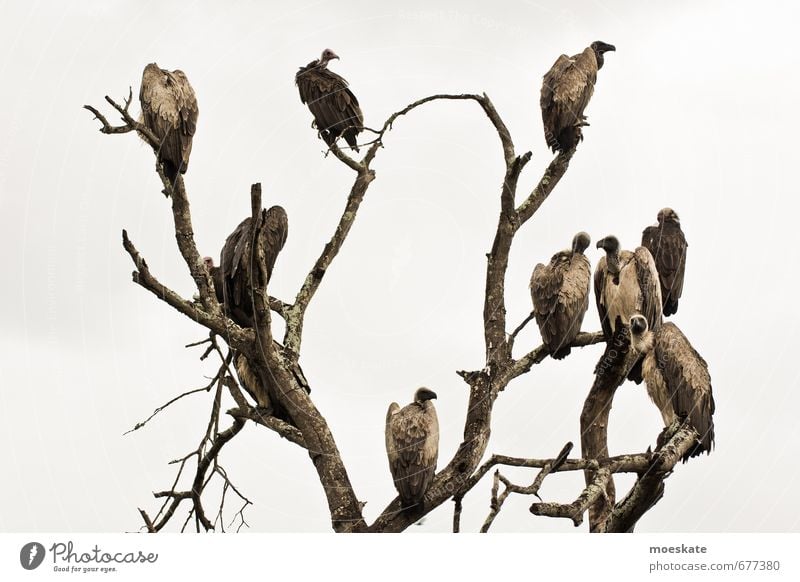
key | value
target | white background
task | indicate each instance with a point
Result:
(695, 110)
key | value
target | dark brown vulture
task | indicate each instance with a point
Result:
(333, 105)
(566, 90)
(235, 262)
(666, 243)
(412, 444)
(560, 293)
(626, 284)
(232, 279)
(169, 110)
(677, 379)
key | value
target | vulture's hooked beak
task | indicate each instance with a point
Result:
(600, 243)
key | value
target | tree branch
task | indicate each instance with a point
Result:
(537, 355)
(236, 337)
(284, 429)
(649, 487)
(610, 372)
(595, 490)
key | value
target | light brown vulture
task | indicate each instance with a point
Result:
(235, 261)
(566, 90)
(677, 379)
(334, 107)
(626, 284)
(412, 444)
(666, 243)
(560, 293)
(169, 110)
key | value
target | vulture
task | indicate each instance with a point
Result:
(169, 110)
(666, 243)
(566, 90)
(412, 444)
(560, 293)
(677, 379)
(333, 105)
(626, 284)
(232, 286)
(235, 261)
(260, 386)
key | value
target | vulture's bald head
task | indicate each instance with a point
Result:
(642, 339)
(327, 56)
(208, 262)
(423, 394)
(581, 242)
(668, 215)
(609, 244)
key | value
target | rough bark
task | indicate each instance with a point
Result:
(610, 372)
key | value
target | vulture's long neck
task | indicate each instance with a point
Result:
(612, 262)
(600, 60)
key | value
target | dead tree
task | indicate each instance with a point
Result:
(311, 432)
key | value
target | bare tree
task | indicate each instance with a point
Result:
(310, 431)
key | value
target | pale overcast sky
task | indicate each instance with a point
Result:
(695, 111)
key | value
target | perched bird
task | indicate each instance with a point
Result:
(412, 444)
(333, 105)
(169, 110)
(626, 284)
(236, 259)
(666, 243)
(263, 386)
(232, 279)
(560, 293)
(251, 382)
(566, 90)
(677, 379)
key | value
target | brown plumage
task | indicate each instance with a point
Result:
(412, 444)
(250, 381)
(560, 293)
(169, 110)
(626, 283)
(677, 379)
(334, 107)
(262, 386)
(566, 90)
(236, 259)
(667, 244)
(232, 286)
